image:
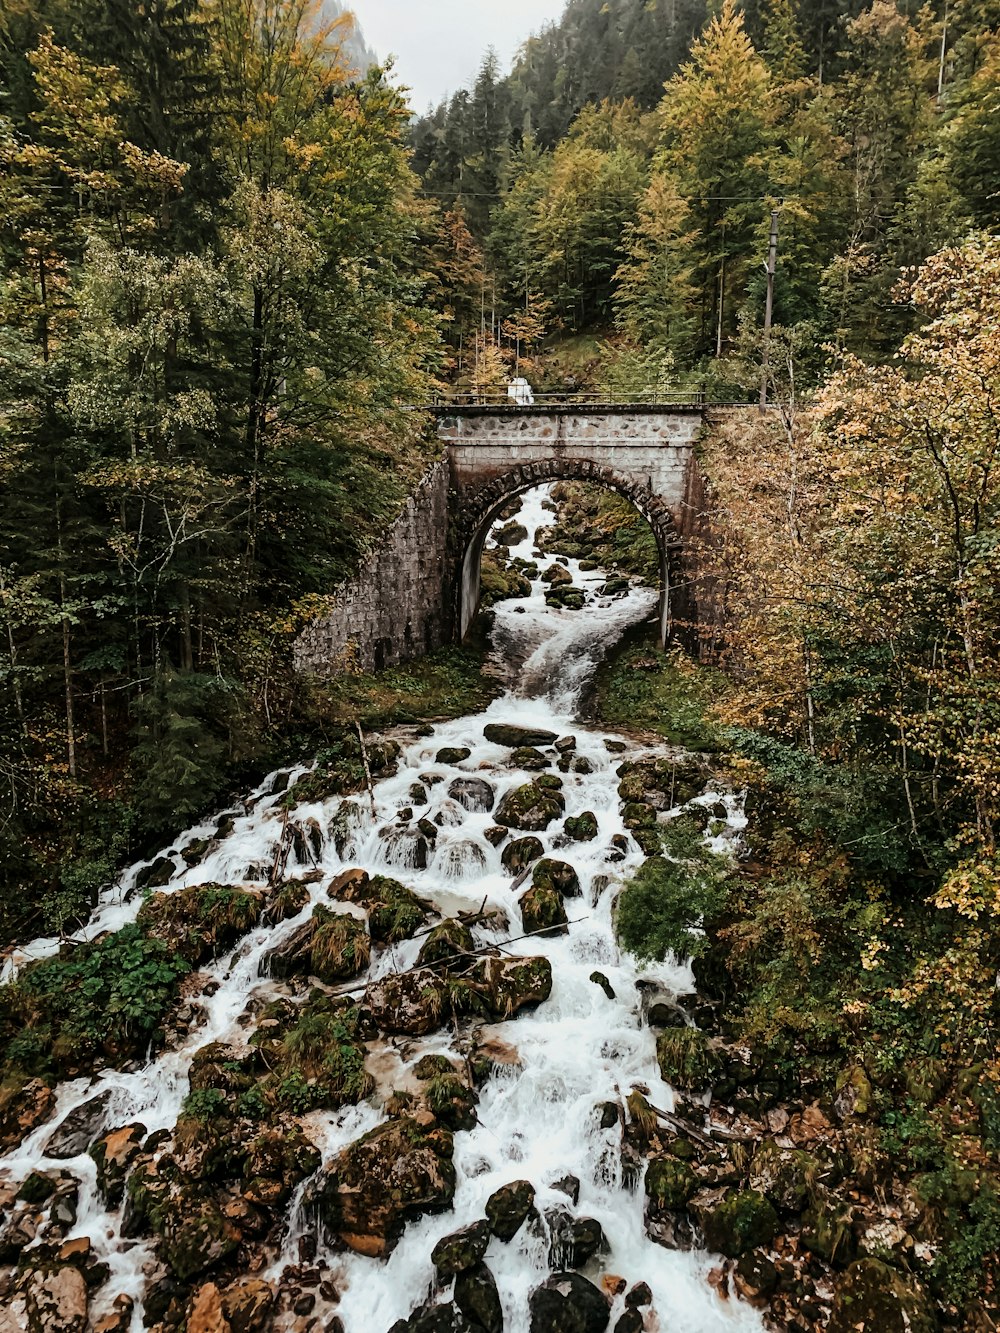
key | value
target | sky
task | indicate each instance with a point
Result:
(439, 44)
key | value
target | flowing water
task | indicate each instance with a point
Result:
(536, 1119)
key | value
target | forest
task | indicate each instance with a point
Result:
(232, 262)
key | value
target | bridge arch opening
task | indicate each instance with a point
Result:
(489, 510)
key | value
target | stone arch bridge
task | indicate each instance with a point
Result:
(420, 590)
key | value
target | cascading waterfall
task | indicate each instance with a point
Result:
(580, 1048)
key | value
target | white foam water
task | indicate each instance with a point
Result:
(537, 1118)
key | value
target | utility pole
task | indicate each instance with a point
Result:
(772, 264)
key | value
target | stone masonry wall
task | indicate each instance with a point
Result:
(393, 610)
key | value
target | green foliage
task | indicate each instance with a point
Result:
(639, 687)
(205, 1104)
(107, 997)
(661, 909)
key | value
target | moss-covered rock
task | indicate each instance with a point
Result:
(451, 1101)
(874, 1298)
(513, 984)
(557, 576)
(520, 853)
(531, 807)
(637, 815)
(511, 736)
(477, 1297)
(543, 910)
(529, 759)
(394, 912)
(446, 941)
(452, 754)
(461, 1250)
(784, 1175)
(397, 1172)
(332, 946)
(735, 1221)
(827, 1229)
(558, 876)
(507, 1209)
(582, 828)
(670, 1183)
(285, 902)
(24, 1105)
(114, 1155)
(687, 1059)
(202, 921)
(411, 1003)
(340, 770)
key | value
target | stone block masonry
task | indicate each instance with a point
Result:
(393, 610)
(420, 590)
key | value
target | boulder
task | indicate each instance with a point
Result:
(249, 1305)
(531, 807)
(473, 794)
(568, 1303)
(574, 1241)
(687, 1059)
(496, 835)
(558, 576)
(79, 1129)
(508, 1208)
(755, 1277)
(874, 1298)
(202, 921)
(670, 1183)
(114, 1155)
(827, 1229)
(477, 1297)
(394, 912)
(447, 940)
(398, 1171)
(333, 946)
(410, 1003)
(500, 733)
(784, 1175)
(24, 1105)
(56, 1300)
(452, 755)
(447, 1318)
(461, 1250)
(205, 1312)
(511, 984)
(734, 1221)
(529, 759)
(557, 875)
(543, 912)
(520, 853)
(582, 828)
(630, 1322)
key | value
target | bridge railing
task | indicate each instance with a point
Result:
(499, 397)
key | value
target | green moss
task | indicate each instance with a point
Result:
(641, 688)
(669, 1182)
(687, 1059)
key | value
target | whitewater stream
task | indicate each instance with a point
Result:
(536, 1119)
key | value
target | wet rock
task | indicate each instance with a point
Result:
(410, 1003)
(56, 1301)
(473, 794)
(397, 1172)
(520, 853)
(585, 1239)
(566, 744)
(202, 921)
(119, 1318)
(164, 1297)
(680, 781)
(734, 1221)
(531, 807)
(663, 1015)
(508, 1208)
(784, 1175)
(599, 979)
(755, 1277)
(429, 830)
(195, 1235)
(495, 835)
(568, 598)
(249, 1305)
(558, 576)
(529, 759)
(827, 1229)
(670, 1183)
(37, 1187)
(582, 828)
(114, 1155)
(687, 1059)
(156, 874)
(477, 1297)
(610, 1115)
(205, 1312)
(333, 946)
(568, 1303)
(512, 984)
(556, 875)
(630, 1322)
(544, 912)
(452, 755)
(872, 1296)
(853, 1097)
(286, 902)
(583, 766)
(447, 1318)
(461, 1250)
(639, 1297)
(24, 1105)
(568, 1185)
(618, 848)
(394, 912)
(446, 941)
(510, 736)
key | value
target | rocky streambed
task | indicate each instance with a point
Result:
(362, 1054)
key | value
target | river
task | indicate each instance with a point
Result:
(536, 1120)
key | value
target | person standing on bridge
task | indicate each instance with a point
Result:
(521, 393)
